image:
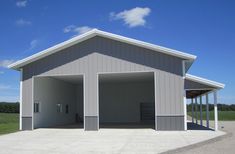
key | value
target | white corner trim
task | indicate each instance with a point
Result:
(217, 85)
(184, 96)
(33, 82)
(84, 100)
(21, 98)
(185, 111)
(96, 32)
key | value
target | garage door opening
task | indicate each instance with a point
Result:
(58, 102)
(126, 100)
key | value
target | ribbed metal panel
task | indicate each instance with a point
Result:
(27, 98)
(27, 123)
(170, 122)
(91, 123)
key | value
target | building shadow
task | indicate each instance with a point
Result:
(128, 125)
(68, 126)
(194, 126)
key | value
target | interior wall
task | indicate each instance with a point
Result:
(120, 102)
(79, 101)
(49, 92)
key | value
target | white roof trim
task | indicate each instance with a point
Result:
(96, 32)
(214, 84)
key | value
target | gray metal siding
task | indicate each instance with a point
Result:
(169, 94)
(170, 123)
(91, 122)
(103, 55)
(27, 93)
(27, 123)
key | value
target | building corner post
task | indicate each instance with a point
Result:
(21, 99)
(185, 111)
(184, 96)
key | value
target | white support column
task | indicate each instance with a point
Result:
(184, 97)
(196, 110)
(192, 110)
(21, 96)
(207, 111)
(201, 110)
(215, 110)
(185, 111)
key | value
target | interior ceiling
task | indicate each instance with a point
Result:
(74, 79)
(195, 93)
(127, 77)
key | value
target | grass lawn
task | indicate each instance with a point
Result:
(9, 122)
(222, 115)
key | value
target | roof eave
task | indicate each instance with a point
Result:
(215, 85)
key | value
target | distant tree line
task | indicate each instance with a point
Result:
(6, 107)
(221, 107)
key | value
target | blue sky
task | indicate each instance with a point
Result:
(205, 28)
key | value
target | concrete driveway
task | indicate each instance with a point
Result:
(222, 145)
(103, 141)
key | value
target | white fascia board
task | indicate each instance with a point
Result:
(96, 32)
(217, 85)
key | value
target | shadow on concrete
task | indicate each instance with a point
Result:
(69, 126)
(194, 126)
(127, 125)
(191, 126)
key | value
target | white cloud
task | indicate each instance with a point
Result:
(33, 44)
(69, 28)
(77, 30)
(23, 22)
(6, 62)
(83, 29)
(133, 17)
(21, 3)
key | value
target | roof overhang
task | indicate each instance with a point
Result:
(214, 85)
(95, 32)
(197, 86)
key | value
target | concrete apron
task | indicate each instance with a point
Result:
(108, 140)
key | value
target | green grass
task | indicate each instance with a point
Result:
(222, 115)
(9, 123)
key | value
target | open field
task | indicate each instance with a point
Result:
(222, 115)
(9, 122)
